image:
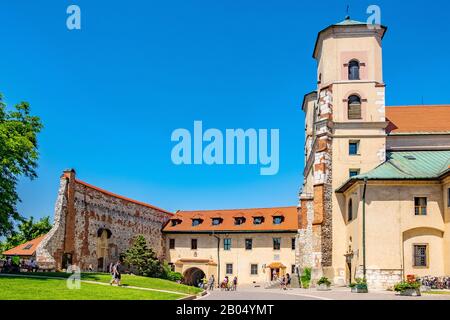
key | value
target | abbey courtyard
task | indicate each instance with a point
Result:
(375, 198)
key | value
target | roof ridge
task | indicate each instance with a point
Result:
(238, 209)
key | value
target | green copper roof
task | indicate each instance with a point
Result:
(407, 165)
(350, 22)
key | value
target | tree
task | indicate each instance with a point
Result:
(18, 157)
(27, 230)
(143, 260)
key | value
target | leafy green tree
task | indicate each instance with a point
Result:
(18, 157)
(143, 260)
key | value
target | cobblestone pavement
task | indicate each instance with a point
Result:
(252, 293)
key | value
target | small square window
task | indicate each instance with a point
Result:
(293, 243)
(196, 222)
(278, 220)
(193, 244)
(254, 269)
(354, 172)
(171, 244)
(258, 220)
(276, 243)
(216, 221)
(227, 244)
(420, 206)
(248, 244)
(229, 268)
(239, 221)
(353, 148)
(420, 256)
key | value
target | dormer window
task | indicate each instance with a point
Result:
(239, 221)
(216, 221)
(278, 220)
(353, 70)
(258, 220)
(175, 222)
(196, 222)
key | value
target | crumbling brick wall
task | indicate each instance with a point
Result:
(83, 211)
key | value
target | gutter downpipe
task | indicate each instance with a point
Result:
(364, 227)
(218, 258)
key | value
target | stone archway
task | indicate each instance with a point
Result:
(193, 276)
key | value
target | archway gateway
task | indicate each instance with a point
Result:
(193, 276)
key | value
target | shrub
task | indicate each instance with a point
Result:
(405, 285)
(324, 281)
(143, 260)
(305, 279)
(359, 284)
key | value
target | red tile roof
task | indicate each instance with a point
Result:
(416, 119)
(21, 251)
(290, 222)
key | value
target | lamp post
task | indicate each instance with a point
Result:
(218, 257)
(364, 227)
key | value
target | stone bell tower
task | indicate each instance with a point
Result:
(345, 136)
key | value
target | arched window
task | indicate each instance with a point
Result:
(350, 210)
(353, 70)
(354, 107)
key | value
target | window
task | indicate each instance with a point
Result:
(353, 172)
(171, 243)
(420, 255)
(350, 210)
(229, 268)
(293, 243)
(278, 220)
(353, 148)
(227, 244)
(254, 269)
(276, 243)
(258, 220)
(175, 222)
(293, 269)
(354, 108)
(248, 244)
(28, 247)
(196, 222)
(216, 221)
(420, 206)
(353, 70)
(239, 221)
(193, 244)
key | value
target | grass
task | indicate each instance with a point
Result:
(22, 288)
(129, 280)
(437, 292)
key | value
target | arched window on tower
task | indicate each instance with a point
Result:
(350, 210)
(353, 70)
(354, 107)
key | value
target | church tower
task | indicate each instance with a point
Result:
(345, 136)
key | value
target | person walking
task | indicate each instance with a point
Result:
(235, 282)
(288, 281)
(211, 283)
(204, 283)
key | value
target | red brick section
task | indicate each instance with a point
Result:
(411, 119)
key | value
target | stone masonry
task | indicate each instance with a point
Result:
(93, 227)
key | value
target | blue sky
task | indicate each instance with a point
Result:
(111, 94)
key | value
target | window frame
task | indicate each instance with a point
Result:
(251, 244)
(349, 103)
(354, 63)
(350, 210)
(418, 209)
(354, 142)
(239, 221)
(426, 254)
(258, 224)
(227, 243)
(276, 217)
(256, 269)
(448, 198)
(194, 247)
(172, 243)
(226, 269)
(357, 171)
(274, 244)
(196, 222)
(294, 243)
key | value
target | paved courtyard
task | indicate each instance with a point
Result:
(252, 293)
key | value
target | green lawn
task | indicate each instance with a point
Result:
(129, 280)
(437, 292)
(21, 288)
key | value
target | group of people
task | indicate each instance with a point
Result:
(285, 282)
(229, 285)
(16, 265)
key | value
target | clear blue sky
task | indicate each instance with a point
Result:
(111, 94)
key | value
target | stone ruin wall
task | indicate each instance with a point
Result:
(82, 210)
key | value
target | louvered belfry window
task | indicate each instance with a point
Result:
(353, 70)
(354, 108)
